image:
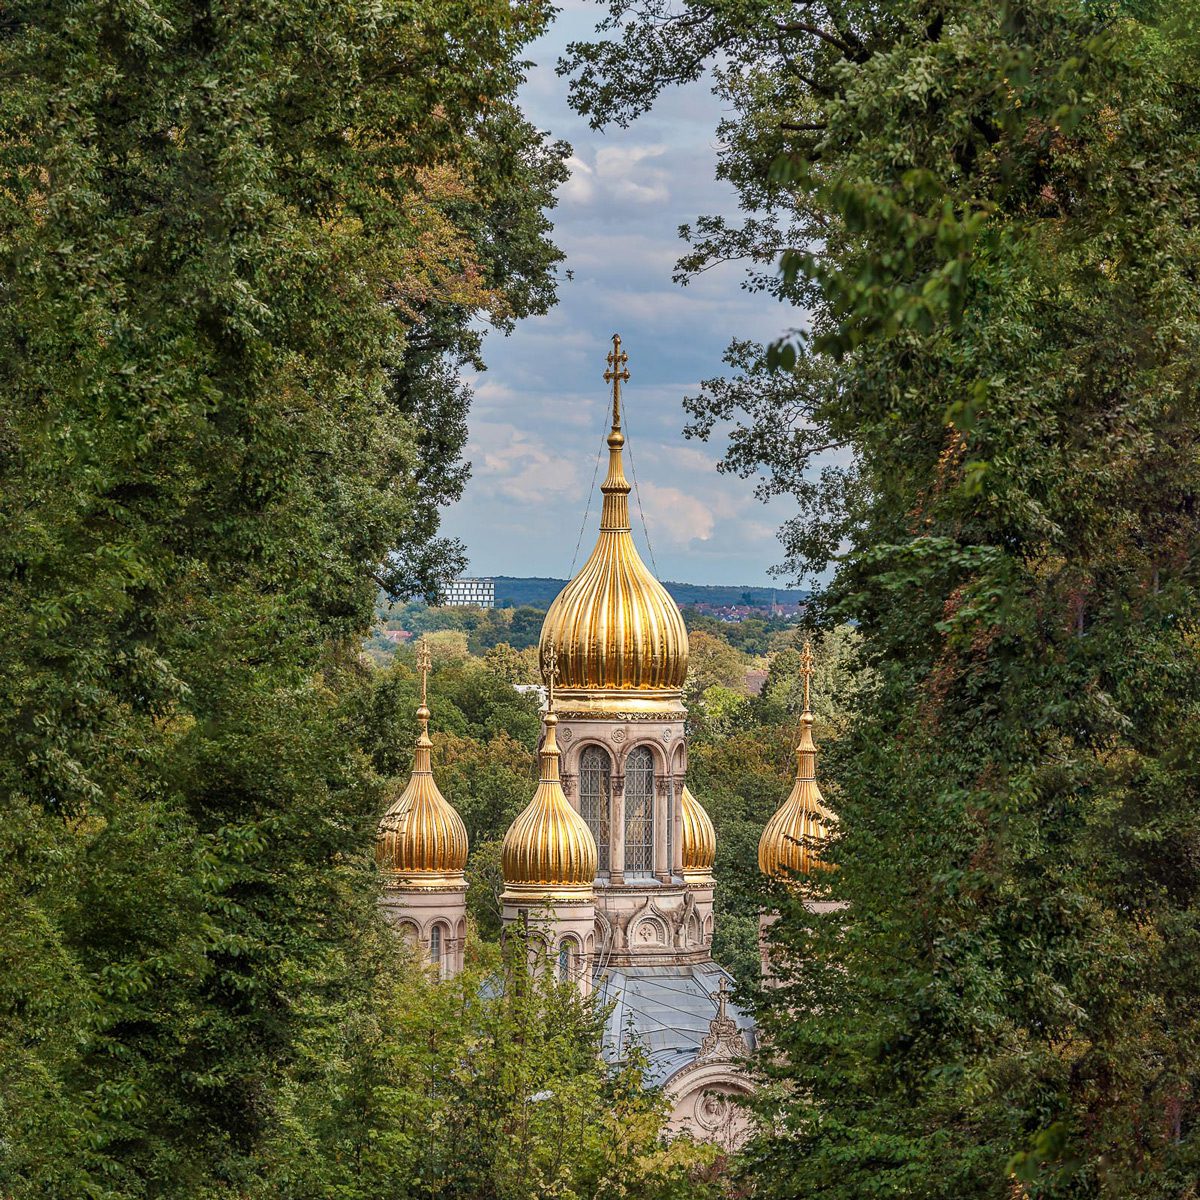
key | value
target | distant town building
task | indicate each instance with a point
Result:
(470, 593)
(734, 614)
(756, 680)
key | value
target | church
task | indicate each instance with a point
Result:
(608, 871)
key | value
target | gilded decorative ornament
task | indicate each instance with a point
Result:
(699, 837)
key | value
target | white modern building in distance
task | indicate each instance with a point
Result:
(470, 593)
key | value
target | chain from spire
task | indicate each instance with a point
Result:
(616, 374)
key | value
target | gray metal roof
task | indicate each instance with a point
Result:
(668, 1010)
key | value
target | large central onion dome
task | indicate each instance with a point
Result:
(621, 641)
(422, 841)
(549, 848)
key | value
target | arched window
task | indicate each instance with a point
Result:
(435, 948)
(639, 812)
(567, 952)
(595, 775)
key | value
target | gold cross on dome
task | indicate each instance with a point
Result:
(806, 668)
(550, 670)
(617, 373)
(424, 662)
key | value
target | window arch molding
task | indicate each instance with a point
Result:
(658, 752)
(569, 959)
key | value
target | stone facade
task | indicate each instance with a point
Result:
(434, 920)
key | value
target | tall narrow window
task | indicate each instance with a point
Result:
(595, 775)
(435, 948)
(566, 960)
(639, 812)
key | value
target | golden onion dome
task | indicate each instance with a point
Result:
(621, 640)
(422, 841)
(549, 847)
(787, 847)
(699, 837)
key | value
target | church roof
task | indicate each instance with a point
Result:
(673, 1013)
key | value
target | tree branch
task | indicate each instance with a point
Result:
(851, 52)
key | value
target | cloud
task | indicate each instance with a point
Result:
(620, 168)
(680, 517)
(512, 466)
(615, 174)
(539, 415)
(580, 188)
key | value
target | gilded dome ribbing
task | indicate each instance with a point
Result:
(699, 836)
(616, 628)
(422, 841)
(549, 845)
(788, 845)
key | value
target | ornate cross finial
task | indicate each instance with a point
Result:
(550, 670)
(721, 996)
(424, 662)
(806, 668)
(617, 373)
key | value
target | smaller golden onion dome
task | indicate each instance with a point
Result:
(422, 841)
(549, 848)
(788, 845)
(699, 837)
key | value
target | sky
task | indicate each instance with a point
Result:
(540, 410)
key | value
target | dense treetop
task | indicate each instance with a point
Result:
(987, 213)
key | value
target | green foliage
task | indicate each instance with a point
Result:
(989, 212)
(486, 1086)
(712, 662)
(242, 248)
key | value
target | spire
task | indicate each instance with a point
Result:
(549, 756)
(422, 764)
(806, 750)
(620, 638)
(614, 515)
(549, 847)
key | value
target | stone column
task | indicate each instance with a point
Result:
(616, 832)
(677, 821)
(568, 787)
(662, 868)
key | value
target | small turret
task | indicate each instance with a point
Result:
(421, 850)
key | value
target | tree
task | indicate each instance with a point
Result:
(485, 1086)
(989, 210)
(224, 234)
(712, 662)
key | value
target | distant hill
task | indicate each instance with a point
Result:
(513, 591)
